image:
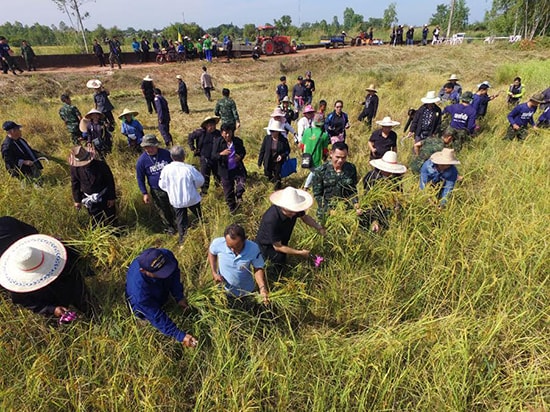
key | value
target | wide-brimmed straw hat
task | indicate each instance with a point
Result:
(93, 111)
(445, 157)
(430, 97)
(371, 88)
(292, 199)
(309, 109)
(275, 126)
(453, 77)
(537, 98)
(209, 119)
(83, 125)
(389, 163)
(149, 140)
(93, 84)
(277, 112)
(79, 156)
(179, 76)
(31, 263)
(128, 111)
(148, 78)
(387, 121)
(285, 99)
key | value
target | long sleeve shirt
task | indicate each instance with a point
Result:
(163, 112)
(95, 177)
(149, 167)
(148, 295)
(181, 181)
(430, 174)
(462, 117)
(522, 115)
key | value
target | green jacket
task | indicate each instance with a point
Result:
(311, 136)
(330, 186)
(71, 116)
(428, 148)
(226, 109)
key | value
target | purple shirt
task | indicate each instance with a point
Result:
(522, 115)
(462, 117)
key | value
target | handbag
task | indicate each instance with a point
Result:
(289, 166)
(307, 158)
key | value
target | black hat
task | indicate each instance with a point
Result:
(10, 125)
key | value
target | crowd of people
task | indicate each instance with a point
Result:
(44, 275)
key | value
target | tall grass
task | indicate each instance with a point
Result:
(445, 311)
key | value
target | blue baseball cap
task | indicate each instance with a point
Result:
(10, 125)
(161, 262)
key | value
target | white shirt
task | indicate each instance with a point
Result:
(181, 181)
(303, 124)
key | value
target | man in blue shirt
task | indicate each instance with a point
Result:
(463, 120)
(151, 278)
(236, 263)
(440, 168)
(282, 90)
(522, 116)
(148, 167)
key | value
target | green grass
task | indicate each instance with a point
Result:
(446, 311)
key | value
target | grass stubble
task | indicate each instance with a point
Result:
(446, 311)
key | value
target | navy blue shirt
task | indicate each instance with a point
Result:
(462, 117)
(522, 115)
(149, 167)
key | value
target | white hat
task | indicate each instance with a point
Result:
(453, 77)
(179, 76)
(388, 163)
(31, 263)
(445, 157)
(128, 111)
(148, 78)
(93, 84)
(430, 97)
(387, 121)
(275, 126)
(292, 199)
(485, 83)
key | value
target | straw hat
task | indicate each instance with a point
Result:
(445, 157)
(275, 126)
(309, 109)
(148, 78)
(209, 119)
(79, 156)
(453, 77)
(285, 99)
(127, 111)
(93, 84)
(83, 125)
(371, 88)
(292, 199)
(277, 112)
(430, 97)
(93, 111)
(387, 121)
(31, 263)
(389, 163)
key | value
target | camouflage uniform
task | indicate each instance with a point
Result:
(226, 109)
(330, 186)
(71, 116)
(429, 147)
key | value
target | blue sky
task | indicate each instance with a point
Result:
(148, 14)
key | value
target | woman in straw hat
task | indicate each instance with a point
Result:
(370, 106)
(93, 186)
(386, 174)
(44, 276)
(383, 139)
(440, 169)
(278, 223)
(427, 119)
(96, 132)
(273, 152)
(131, 128)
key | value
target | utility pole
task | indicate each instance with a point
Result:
(450, 19)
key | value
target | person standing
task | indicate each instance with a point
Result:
(425, 31)
(370, 106)
(273, 152)
(309, 84)
(114, 52)
(136, 47)
(207, 47)
(20, 159)
(72, 117)
(282, 90)
(148, 91)
(163, 114)
(151, 279)
(410, 36)
(98, 52)
(522, 116)
(102, 102)
(226, 109)
(299, 94)
(145, 47)
(237, 266)
(335, 180)
(229, 48)
(383, 139)
(6, 55)
(427, 119)
(148, 167)
(201, 142)
(435, 35)
(206, 83)
(337, 123)
(182, 94)
(315, 143)
(28, 55)
(228, 151)
(93, 186)
(181, 181)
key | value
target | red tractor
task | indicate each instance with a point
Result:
(271, 42)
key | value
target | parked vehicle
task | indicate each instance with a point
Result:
(272, 42)
(167, 56)
(334, 41)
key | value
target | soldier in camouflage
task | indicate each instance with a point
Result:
(335, 180)
(431, 145)
(72, 117)
(226, 109)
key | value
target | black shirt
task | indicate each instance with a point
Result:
(276, 227)
(383, 144)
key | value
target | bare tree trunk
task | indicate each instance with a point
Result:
(450, 19)
(79, 17)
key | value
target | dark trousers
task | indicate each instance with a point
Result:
(183, 103)
(277, 262)
(164, 129)
(150, 106)
(208, 167)
(30, 62)
(101, 59)
(113, 57)
(102, 214)
(164, 208)
(273, 172)
(520, 134)
(182, 220)
(233, 187)
(207, 93)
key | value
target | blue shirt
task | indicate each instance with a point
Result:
(480, 104)
(545, 116)
(522, 115)
(462, 117)
(132, 130)
(147, 296)
(237, 270)
(430, 174)
(150, 167)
